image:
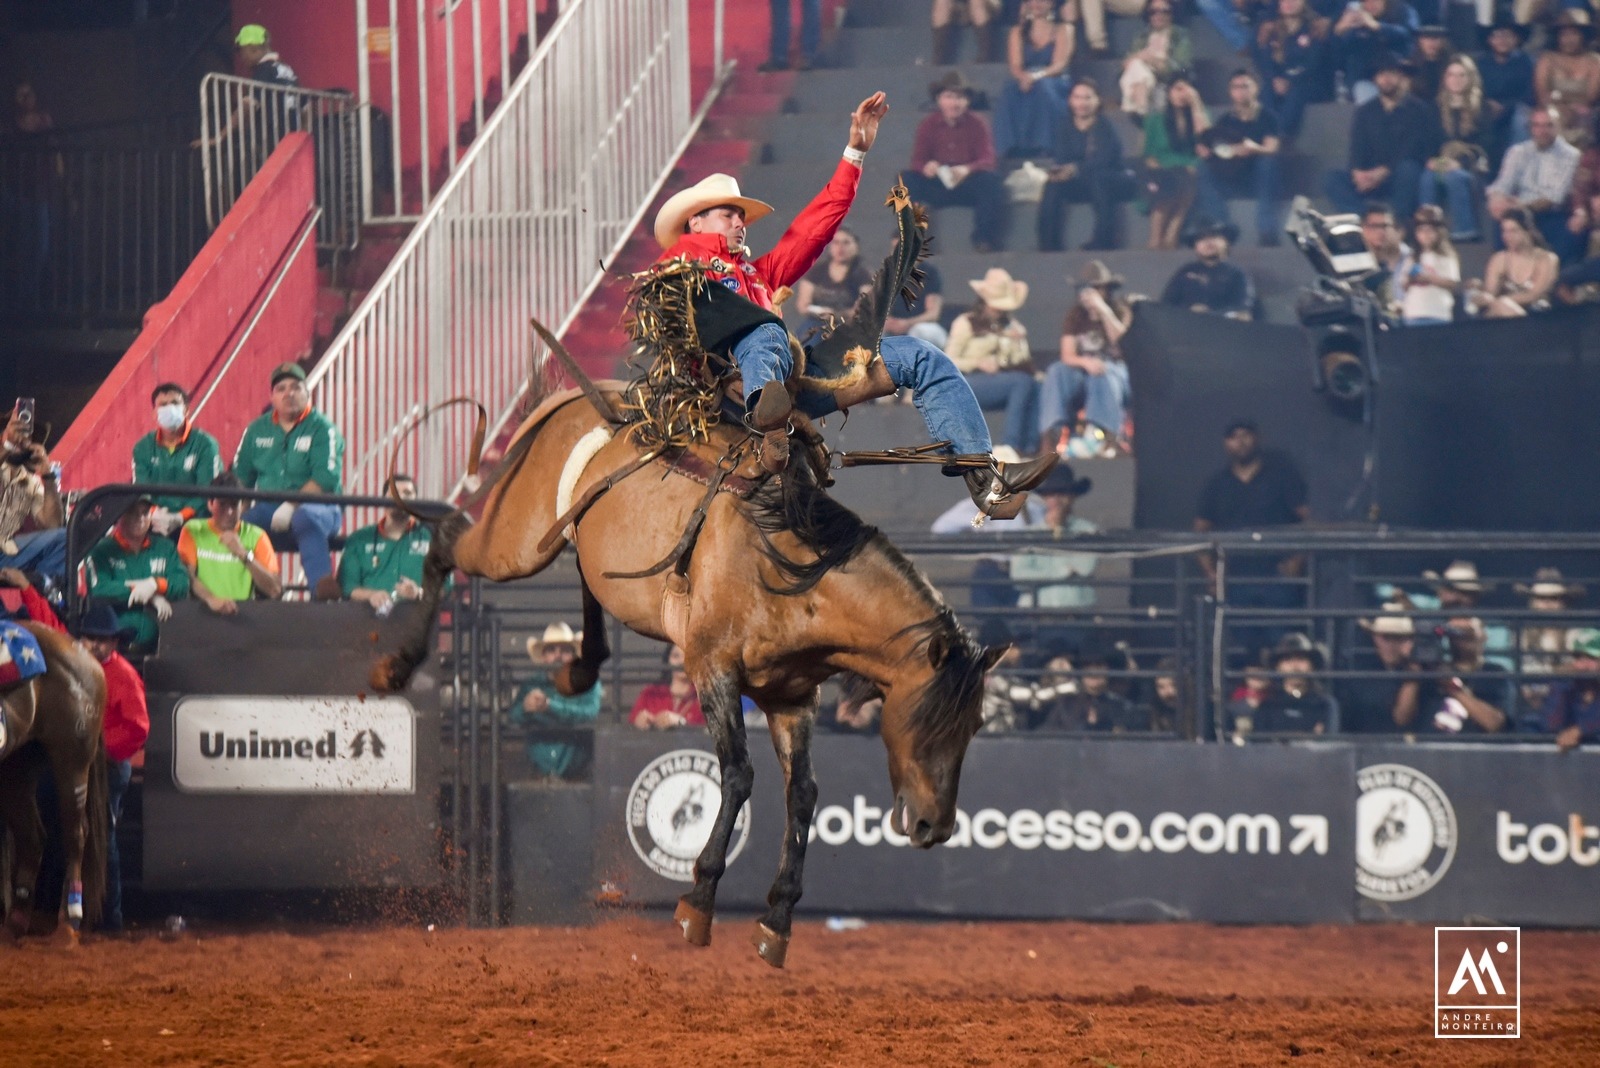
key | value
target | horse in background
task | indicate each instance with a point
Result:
(56, 717)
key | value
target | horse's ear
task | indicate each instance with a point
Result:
(993, 655)
(938, 651)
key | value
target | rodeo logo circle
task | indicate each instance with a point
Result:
(1405, 832)
(672, 807)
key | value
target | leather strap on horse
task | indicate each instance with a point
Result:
(585, 383)
(716, 480)
(918, 454)
(589, 496)
(480, 431)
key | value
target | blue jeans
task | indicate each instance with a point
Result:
(118, 774)
(1017, 393)
(1399, 191)
(1259, 179)
(44, 551)
(1460, 193)
(810, 30)
(1104, 397)
(941, 393)
(310, 529)
(1225, 17)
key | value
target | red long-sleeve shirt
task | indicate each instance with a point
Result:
(963, 143)
(127, 722)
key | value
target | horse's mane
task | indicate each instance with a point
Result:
(947, 710)
(796, 504)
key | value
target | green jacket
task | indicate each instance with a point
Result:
(1180, 50)
(111, 566)
(1158, 146)
(556, 758)
(374, 562)
(194, 461)
(273, 459)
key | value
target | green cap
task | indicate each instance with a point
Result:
(288, 370)
(1587, 643)
(253, 34)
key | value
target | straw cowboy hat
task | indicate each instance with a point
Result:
(554, 634)
(1394, 623)
(999, 290)
(712, 191)
(1097, 274)
(1461, 575)
(1548, 582)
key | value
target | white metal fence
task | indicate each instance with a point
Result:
(242, 121)
(549, 190)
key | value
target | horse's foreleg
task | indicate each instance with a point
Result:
(791, 738)
(72, 796)
(719, 699)
(18, 785)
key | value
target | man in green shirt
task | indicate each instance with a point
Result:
(176, 451)
(382, 563)
(137, 575)
(293, 448)
(228, 560)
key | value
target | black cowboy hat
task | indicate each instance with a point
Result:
(100, 621)
(1295, 644)
(1505, 22)
(1390, 61)
(951, 82)
(1061, 480)
(1225, 230)
(1431, 31)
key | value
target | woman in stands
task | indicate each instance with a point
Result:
(1567, 77)
(1171, 136)
(1090, 374)
(990, 348)
(671, 702)
(1035, 99)
(1292, 53)
(1160, 49)
(1470, 123)
(829, 290)
(1429, 272)
(1519, 277)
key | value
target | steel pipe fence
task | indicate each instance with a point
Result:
(242, 121)
(548, 191)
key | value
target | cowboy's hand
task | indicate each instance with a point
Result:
(1569, 738)
(163, 608)
(140, 590)
(407, 590)
(864, 121)
(283, 516)
(536, 701)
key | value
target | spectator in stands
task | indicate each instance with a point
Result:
(254, 54)
(1258, 488)
(175, 452)
(953, 163)
(293, 448)
(1239, 715)
(1520, 276)
(1094, 21)
(126, 726)
(30, 491)
(1430, 272)
(1294, 54)
(1370, 706)
(1239, 157)
(1235, 20)
(1571, 711)
(1536, 176)
(1458, 702)
(1038, 50)
(1091, 373)
(1457, 590)
(1382, 237)
(1172, 135)
(1430, 55)
(991, 349)
(829, 290)
(1297, 703)
(1210, 284)
(1580, 283)
(1171, 706)
(919, 318)
(1544, 649)
(382, 563)
(1507, 73)
(1566, 79)
(1469, 123)
(981, 15)
(1095, 706)
(670, 702)
(782, 24)
(1003, 692)
(539, 703)
(228, 560)
(1087, 168)
(253, 46)
(1369, 34)
(1391, 137)
(1161, 49)
(137, 575)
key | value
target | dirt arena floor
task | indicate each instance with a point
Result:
(630, 992)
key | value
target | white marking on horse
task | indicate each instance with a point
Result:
(586, 449)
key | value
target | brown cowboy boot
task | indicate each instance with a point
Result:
(770, 416)
(1000, 490)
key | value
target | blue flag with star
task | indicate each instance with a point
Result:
(20, 656)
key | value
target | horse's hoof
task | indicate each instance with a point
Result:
(388, 674)
(772, 946)
(696, 924)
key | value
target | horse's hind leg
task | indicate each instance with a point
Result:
(18, 784)
(71, 770)
(719, 699)
(791, 738)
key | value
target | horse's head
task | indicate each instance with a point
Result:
(928, 719)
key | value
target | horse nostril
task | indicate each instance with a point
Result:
(923, 831)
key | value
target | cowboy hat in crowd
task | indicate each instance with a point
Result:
(554, 634)
(1548, 583)
(1461, 576)
(1393, 623)
(999, 290)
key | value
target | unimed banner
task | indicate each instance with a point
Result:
(1048, 827)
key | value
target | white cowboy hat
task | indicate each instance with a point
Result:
(713, 191)
(554, 634)
(999, 290)
(1393, 623)
(1461, 575)
(1548, 582)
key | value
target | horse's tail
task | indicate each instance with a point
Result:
(393, 671)
(97, 834)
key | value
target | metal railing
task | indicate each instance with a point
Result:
(548, 191)
(95, 233)
(242, 121)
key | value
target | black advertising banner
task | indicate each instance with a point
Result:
(1048, 827)
(1445, 833)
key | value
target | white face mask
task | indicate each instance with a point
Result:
(169, 417)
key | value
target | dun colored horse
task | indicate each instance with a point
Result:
(782, 589)
(62, 711)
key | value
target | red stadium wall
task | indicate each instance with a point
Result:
(187, 336)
